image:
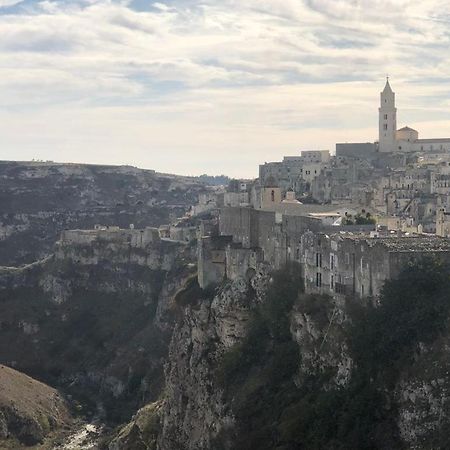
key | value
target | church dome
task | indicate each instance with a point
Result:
(407, 129)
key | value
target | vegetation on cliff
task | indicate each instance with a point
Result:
(100, 344)
(272, 410)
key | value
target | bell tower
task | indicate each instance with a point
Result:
(387, 119)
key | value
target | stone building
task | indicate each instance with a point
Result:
(248, 238)
(295, 173)
(355, 264)
(442, 223)
(362, 150)
(440, 179)
(402, 180)
(208, 201)
(133, 237)
(211, 260)
(391, 139)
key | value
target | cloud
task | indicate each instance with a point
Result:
(199, 80)
(5, 3)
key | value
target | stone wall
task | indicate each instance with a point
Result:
(135, 238)
(212, 260)
(242, 262)
(357, 265)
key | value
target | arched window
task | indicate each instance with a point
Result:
(272, 195)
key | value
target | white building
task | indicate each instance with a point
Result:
(405, 139)
(387, 120)
(393, 140)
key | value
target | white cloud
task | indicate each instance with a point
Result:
(247, 77)
(4, 3)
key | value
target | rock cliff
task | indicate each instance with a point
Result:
(95, 320)
(244, 372)
(254, 363)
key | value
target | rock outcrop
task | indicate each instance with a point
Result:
(141, 432)
(194, 411)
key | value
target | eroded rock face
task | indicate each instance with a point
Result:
(194, 410)
(96, 320)
(423, 396)
(29, 410)
(320, 336)
(141, 432)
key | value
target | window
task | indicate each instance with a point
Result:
(385, 126)
(318, 260)
(318, 279)
(272, 195)
(332, 262)
(332, 282)
(385, 117)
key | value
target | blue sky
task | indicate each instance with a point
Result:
(214, 86)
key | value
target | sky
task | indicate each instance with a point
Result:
(214, 86)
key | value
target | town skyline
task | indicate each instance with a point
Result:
(193, 89)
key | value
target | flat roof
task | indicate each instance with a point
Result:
(413, 243)
(436, 140)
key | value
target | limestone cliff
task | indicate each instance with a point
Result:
(252, 363)
(95, 320)
(423, 396)
(194, 411)
(331, 381)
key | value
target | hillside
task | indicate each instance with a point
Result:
(38, 200)
(29, 409)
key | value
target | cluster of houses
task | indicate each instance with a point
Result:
(352, 220)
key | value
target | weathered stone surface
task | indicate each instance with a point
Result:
(423, 396)
(319, 335)
(142, 431)
(194, 411)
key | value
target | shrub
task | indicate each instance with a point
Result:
(257, 374)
